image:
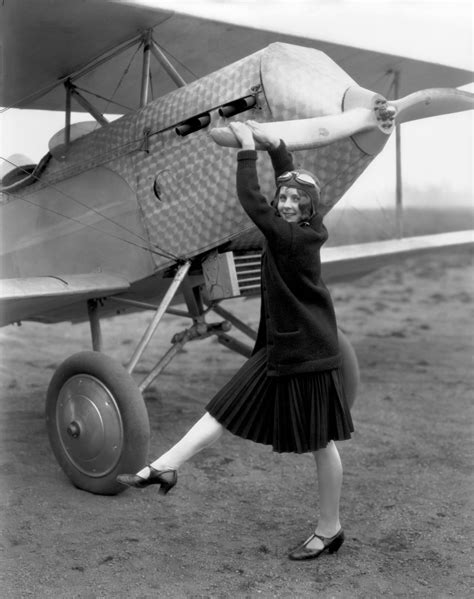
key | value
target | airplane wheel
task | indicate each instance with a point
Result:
(350, 368)
(97, 422)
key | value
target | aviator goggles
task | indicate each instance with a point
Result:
(301, 178)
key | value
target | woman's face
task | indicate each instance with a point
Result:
(288, 204)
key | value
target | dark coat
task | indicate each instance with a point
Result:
(297, 319)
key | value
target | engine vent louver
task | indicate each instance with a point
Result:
(232, 274)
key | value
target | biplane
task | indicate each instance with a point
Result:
(140, 213)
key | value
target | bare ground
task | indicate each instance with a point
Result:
(224, 531)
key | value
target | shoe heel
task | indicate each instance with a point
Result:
(336, 544)
(167, 485)
(164, 488)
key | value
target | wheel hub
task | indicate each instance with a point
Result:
(89, 425)
(74, 429)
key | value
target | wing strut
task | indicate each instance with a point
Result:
(398, 162)
(67, 128)
(144, 36)
(165, 63)
(146, 69)
(72, 91)
(61, 149)
(151, 47)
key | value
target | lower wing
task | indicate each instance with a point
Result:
(56, 298)
(26, 298)
(346, 262)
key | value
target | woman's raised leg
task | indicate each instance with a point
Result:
(206, 431)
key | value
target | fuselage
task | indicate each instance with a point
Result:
(134, 196)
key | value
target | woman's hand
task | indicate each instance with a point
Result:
(262, 136)
(244, 135)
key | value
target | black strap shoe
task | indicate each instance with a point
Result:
(330, 544)
(167, 479)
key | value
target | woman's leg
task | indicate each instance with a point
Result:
(205, 432)
(329, 468)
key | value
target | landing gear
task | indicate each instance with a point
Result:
(96, 417)
(97, 422)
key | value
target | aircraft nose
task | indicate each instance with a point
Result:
(293, 76)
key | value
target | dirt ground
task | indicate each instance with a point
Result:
(224, 531)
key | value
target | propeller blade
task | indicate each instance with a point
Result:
(369, 126)
(304, 134)
(431, 102)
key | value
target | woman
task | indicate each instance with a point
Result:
(289, 393)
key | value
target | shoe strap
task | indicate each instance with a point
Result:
(325, 540)
(164, 471)
(309, 539)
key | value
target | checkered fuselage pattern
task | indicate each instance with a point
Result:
(184, 187)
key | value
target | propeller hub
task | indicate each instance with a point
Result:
(385, 114)
(373, 138)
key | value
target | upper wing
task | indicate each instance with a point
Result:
(26, 298)
(46, 41)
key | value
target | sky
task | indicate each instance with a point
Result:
(437, 153)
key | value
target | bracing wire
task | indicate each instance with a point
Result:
(159, 251)
(186, 68)
(119, 147)
(127, 68)
(103, 157)
(375, 80)
(101, 231)
(107, 156)
(53, 84)
(83, 204)
(382, 230)
(109, 100)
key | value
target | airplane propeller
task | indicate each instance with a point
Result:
(367, 117)
(432, 102)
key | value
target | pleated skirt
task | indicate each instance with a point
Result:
(294, 413)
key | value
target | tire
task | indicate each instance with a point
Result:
(97, 422)
(349, 369)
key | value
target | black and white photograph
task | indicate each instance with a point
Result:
(236, 299)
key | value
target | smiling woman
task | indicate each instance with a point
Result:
(290, 202)
(290, 393)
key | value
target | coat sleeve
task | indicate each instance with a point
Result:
(276, 230)
(282, 160)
